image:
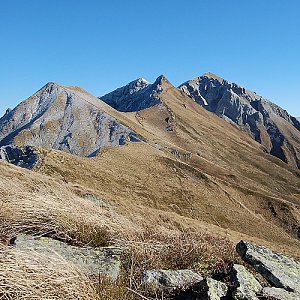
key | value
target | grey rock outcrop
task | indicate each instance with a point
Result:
(137, 95)
(215, 290)
(247, 285)
(280, 294)
(268, 123)
(169, 280)
(280, 270)
(63, 118)
(92, 261)
(24, 157)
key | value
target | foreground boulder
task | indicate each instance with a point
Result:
(215, 290)
(169, 280)
(280, 294)
(247, 285)
(278, 269)
(91, 261)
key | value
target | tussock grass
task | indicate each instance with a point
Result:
(29, 275)
(203, 253)
(45, 207)
(152, 238)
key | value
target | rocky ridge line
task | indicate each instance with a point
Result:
(269, 124)
(135, 96)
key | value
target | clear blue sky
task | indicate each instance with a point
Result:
(101, 45)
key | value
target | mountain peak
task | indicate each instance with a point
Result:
(160, 79)
(137, 95)
(51, 84)
(139, 82)
(58, 117)
(248, 110)
(212, 75)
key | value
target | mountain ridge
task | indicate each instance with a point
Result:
(135, 96)
(264, 120)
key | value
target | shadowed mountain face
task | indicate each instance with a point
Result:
(268, 123)
(135, 96)
(63, 118)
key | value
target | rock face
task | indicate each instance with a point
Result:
(215, 290)
(247, 285)
(92, 261)
(281, 271)
(280, 294)
(268, 123)
(135, 96)
(23, 157)
(170, 280)
(62, 118)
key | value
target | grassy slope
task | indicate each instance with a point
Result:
(228, 184)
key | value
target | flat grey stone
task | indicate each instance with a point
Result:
(170, 280)
(103, 261)
(278, 269)
(280, 294)
(215, 290)
(247, 285)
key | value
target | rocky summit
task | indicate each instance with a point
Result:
(268, 123)
(63, 118)
(135, 96)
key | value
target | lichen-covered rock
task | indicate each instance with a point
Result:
(215, 290)
(92, 261)
(24, 157)
(280, 294)
(247, 285)
(170, 280)
(280, 270)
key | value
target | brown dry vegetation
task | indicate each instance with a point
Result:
(30, 275)
(43, 205)
(159, 189)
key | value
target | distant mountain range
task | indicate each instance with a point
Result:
(70, 119)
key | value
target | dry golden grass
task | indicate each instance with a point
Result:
(30, 275)
(159, 189)
(42, 206)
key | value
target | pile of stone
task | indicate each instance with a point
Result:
(282, 273)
